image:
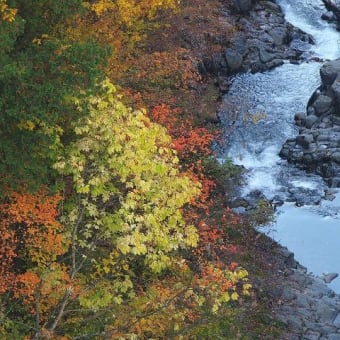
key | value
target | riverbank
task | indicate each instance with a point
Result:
(301, 301)
(304, 303)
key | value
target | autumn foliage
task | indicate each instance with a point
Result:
(128, 238)
(32, 241)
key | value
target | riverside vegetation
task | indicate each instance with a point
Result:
(114, 222)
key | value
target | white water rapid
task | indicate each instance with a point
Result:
(264, 105)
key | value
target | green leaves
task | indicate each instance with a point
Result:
(39, 74)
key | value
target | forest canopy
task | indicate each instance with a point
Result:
(106, 222)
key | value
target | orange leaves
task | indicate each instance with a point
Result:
(208, 234)
(189, 141)
(42, 288)
(32, 241)
(166, 69)
(27, 283)
(37, 208)
(35, 215)
(213, 275)
(30, 232)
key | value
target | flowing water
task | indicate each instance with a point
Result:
(263, 106)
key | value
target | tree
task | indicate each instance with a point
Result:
(32, 240)
(42, 74)
(116, 253)
(118, 228)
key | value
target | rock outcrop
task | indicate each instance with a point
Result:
(333, 11)
(317, 146)
(264, 40)
(309, 308)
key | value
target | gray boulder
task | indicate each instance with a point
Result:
(329, 71)
(323, 104)
(335, 88)
(279, 35)
(329, 277)
(317, 147)
(234, 59)
(243, 6)
(266, 56)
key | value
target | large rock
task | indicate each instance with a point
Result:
(322, 104)
(279, 35)
(335, 91)
(317, 147)
(334, 7)
(233, 58)
(264, 40)
(242, 6)
(329, 72)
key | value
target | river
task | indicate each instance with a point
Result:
(264, 105)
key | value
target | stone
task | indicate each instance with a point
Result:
(265, 56)
(275, 63)
(218, 63)
(329, 71)
(294, 321)
(285, 152)
(243, 5)
(311, 336)
(233, 58)
(334, 336)
(240, 44)
(335, 88)
(304, 140)
(201, 68)
(310, 121)
(308, 158)
(325, 312)
(279, 35)
(322, 104)
(300, 116)
(300, 278)
(288, 295)
(328, 16)
(336, 321)
(288, 257)
(271, 6)
(322, 138)
(320, 327)
(303, 300)
(329, 277)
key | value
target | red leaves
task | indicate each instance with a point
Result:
(207, 211)
(189, 141)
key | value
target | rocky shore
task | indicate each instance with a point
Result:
(264, 40)
(307, 307)
(303, 302)
(317, 146)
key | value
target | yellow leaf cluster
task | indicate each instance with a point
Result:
(126, 173)
(6, 13)
(128, 12)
